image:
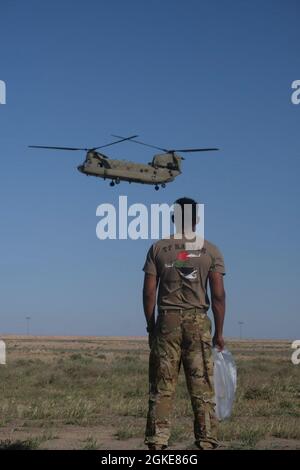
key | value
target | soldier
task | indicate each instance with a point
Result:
(182, 331)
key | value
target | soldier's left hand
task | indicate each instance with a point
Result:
(150, 339)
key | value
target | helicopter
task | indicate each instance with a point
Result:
(163, 168)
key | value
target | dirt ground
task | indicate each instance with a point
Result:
(91, 393)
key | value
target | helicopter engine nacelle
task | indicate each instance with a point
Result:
(166, 160)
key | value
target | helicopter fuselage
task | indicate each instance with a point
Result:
(164, 168)
(157, 172)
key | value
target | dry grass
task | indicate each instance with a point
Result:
(97, 388)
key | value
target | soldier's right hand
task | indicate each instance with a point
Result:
(218, 342)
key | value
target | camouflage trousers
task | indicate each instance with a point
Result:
(181, 337)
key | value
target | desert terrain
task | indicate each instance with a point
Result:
(91, 393)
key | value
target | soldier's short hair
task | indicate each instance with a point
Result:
(184, 201)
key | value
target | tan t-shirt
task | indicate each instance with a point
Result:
(183, 273)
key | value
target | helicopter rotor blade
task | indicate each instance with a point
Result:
(164, 149)
(56, 148)
(121, 139)
(141, 143)
(192, 150)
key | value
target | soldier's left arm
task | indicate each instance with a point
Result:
(149, 299)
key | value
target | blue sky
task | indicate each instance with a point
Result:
(179, 74)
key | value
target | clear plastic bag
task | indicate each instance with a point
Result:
(2, 352)
(225, 382)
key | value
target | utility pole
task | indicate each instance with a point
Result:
(27, 325)
(241, 323)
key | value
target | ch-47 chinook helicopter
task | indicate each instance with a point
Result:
(164, 168)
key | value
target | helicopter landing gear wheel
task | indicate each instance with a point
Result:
(112, 183)
(156, 187)
(163, 185)
(117, 181)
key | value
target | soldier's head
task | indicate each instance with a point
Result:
(185, 214)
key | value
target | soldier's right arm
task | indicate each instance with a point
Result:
(217, 291)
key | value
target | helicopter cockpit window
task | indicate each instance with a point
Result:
(171, 166)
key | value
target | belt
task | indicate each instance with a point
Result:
(182, 310)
